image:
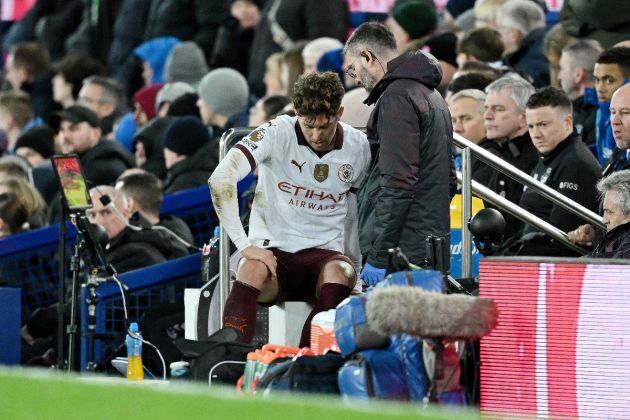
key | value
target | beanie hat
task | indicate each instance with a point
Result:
(332, 61)
(185, 105)
(146, 98)
(172, 91)
(224, 90)
(457, 7)
(186, 135)
(417, 17)
(185, 63)
(155, 51)
(41, 139)
(443, 47)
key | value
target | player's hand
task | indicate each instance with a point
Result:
(584, 235)
(263, 255)
(372, 275)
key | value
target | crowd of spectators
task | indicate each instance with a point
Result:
(151, 85)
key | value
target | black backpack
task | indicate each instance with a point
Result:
(309, 374)
(218, 360)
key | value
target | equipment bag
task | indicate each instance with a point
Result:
(374, 374)
(308, 374)
(352, 331)
(220, 355)
(351, 328)
(428, 280)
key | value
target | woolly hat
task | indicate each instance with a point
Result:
(41, 139)
(185, 105)
(443, 47)
(155, 51)
(146, 98)
(186, 135)
(417, 17)
(457, 7)
(224, 90)
(333, 61)
(172, 91)
(185, 63)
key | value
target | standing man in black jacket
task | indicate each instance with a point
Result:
(411, 180)
(565, 164)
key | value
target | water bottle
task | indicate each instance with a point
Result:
(134, 354)
(213, 243)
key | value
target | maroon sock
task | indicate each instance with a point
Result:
(330, 295)
(240, 310)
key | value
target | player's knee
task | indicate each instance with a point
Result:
(339, 271)
(253, 273)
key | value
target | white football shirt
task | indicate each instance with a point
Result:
(300, 199)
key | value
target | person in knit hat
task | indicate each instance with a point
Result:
(185, 63)
(36, 145)
(222, 93)
(169, 93)
(410, 20)
(153, 54)
(144, 103)
(444, 48)
(190, 154)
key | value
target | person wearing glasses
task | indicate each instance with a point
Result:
(411, 179)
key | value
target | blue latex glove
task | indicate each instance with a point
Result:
(372, 275)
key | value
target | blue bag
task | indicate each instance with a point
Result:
(373, 374)
(428, 280)
(351, 329)
(409, 351)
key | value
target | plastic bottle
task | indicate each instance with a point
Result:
(134, 354)
(213, 243)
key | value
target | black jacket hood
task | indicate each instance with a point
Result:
(418, 66)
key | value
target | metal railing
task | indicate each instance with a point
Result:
(468, 186)
(224, 240)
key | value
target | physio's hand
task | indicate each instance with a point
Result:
(372, 275)
(263, 255)
(584, 235)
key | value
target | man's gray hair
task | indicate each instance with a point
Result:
(522, 15)
(618, 181)
(584, 53)
(371, 36)
(113, 92)
(474, 94)
(520, 89)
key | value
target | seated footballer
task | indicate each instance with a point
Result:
(303, 242)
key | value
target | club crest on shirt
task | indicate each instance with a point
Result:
(320, 173)
(345, 172)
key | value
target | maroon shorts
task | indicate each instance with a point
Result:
(298, 272)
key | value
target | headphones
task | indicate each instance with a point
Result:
(365, 54)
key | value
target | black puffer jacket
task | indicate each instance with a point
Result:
(411, 180)
(132, 249)
(104, 163)
(194, 170)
